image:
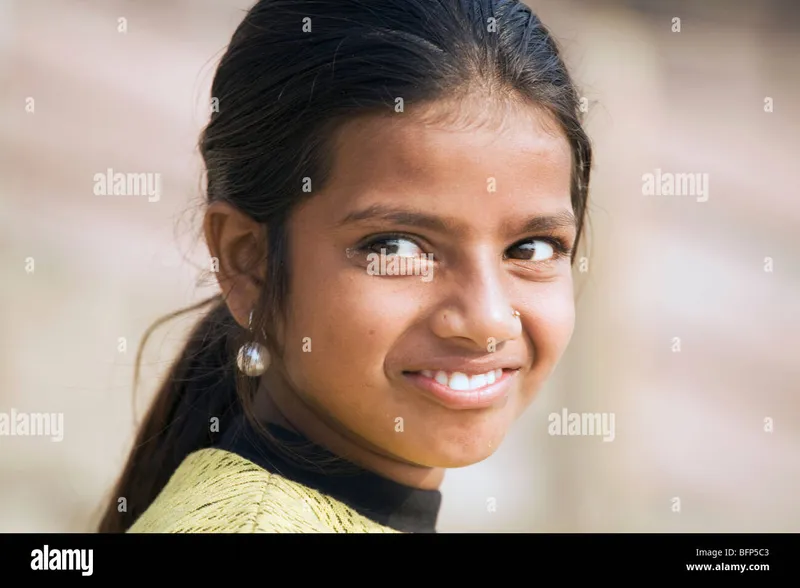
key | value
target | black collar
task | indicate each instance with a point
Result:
(384, 501)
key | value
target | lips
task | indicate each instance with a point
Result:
(459, 381)
(462, 391)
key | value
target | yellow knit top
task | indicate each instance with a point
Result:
(216, 491)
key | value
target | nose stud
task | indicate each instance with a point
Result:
(514, 313)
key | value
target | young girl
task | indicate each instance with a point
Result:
(396, 190)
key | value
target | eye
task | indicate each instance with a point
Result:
(393, 245)
(538, 250)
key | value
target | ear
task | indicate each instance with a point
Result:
(238, 244)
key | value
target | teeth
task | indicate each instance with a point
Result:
(478, 381)
(459, 381)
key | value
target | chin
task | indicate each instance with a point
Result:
(462, 459)
(457, 448)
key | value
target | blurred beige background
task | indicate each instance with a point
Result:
(689, 423)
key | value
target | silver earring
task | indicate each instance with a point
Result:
(514, 313)
(253, 358)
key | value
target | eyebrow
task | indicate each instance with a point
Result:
(561, 220)
(415, 218)
(403, 216)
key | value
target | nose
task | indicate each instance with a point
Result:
(479, 315)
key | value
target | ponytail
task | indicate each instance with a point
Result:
(200, 386)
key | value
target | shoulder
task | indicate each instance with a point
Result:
(216, 491)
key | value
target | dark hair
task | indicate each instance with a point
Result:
(293, 73)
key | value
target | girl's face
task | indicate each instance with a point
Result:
(406, 271)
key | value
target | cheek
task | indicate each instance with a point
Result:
(338, 331)
(550, 323)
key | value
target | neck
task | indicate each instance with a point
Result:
(277, 403)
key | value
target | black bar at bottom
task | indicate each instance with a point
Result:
(753, 558)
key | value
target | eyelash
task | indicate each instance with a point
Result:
(560, 246)
(369, 242)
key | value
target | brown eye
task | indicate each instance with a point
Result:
(533, 250)
(394, 246)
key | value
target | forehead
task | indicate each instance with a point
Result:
(452, 144)
(480, 166)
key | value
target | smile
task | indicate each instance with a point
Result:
(460, 391)
(460, 381)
